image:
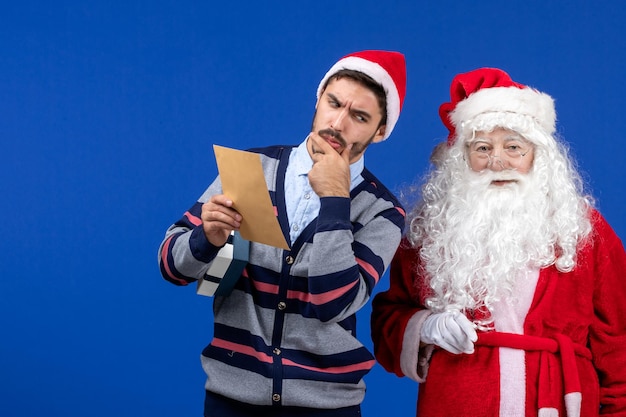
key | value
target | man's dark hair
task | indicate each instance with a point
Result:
(367, 82)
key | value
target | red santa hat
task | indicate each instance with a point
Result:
(491, 90)
(387, 68)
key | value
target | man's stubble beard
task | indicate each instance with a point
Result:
(357, 148)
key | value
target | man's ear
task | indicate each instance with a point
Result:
(380, 134)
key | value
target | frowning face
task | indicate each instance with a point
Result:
(348, 112)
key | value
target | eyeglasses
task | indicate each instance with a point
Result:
(510, 157)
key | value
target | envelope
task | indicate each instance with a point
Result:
(243, 182)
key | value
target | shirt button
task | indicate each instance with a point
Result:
(276, 398)
(282, 305)
(289, 260)
(295, 227)
(276, 351)
(307, 196)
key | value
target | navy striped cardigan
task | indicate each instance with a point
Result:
(286, 334)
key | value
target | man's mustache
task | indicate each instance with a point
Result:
(334, 134)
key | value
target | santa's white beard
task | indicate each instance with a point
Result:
(482, 237)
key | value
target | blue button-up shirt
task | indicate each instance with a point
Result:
(302, 203)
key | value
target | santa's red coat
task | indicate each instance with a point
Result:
(573, 347)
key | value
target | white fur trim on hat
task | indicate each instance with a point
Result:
(378, 74)
(524, 101)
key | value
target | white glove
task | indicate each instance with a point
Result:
(451, 331)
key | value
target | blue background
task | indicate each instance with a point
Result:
(108, 113)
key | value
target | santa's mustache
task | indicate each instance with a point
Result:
(487, 177)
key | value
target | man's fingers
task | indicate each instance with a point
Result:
(219, 219)
(218, 207)
(221, 200)
(320, 146)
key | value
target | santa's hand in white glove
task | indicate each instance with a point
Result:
(451, 331)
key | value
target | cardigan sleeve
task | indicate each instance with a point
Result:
(185, 253)
(354, 242)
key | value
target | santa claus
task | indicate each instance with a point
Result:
(507, 295)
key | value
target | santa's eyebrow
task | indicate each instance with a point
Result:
(509, 138)
(516, 137)
(479, 139)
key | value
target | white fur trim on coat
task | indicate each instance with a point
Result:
(413, 360)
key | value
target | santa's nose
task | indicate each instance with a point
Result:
(496, 163)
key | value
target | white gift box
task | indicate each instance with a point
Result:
(225, 270)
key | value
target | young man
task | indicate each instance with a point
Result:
(284, 340)
(507, 295)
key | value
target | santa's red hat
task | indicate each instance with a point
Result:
(387, 68)
(490, 90)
